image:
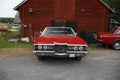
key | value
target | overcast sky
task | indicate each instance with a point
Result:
(6, 7)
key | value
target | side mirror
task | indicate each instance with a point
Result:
(40, 32)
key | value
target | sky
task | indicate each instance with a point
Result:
(6, 7)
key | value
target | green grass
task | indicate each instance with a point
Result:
(2, 24)
(5, 44)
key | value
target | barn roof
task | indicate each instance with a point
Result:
(106, 5)
(24, 1)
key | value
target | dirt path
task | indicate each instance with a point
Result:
(15, 52)
(21, 64)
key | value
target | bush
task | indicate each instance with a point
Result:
(88, 36)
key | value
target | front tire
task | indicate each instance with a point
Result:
(116, 45)
(40, 58)
(78, 58)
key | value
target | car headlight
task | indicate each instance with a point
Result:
(75, 48)
(45, 47)
(81, 48)
(40, 47)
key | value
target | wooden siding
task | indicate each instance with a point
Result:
(40, 9)
(91, 15)
(35, 15)
(64, 9)
(39, 18)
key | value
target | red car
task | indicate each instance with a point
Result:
(111, 38)
(59, 42)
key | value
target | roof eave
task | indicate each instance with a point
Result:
(112, 10)
(16, 8)
(24, 1)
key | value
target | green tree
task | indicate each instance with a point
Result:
(6, 20)
(116, 5)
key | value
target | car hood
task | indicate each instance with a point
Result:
(62, 39)
(103, 33)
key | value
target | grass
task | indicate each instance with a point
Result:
(5, 44)
(2, 24)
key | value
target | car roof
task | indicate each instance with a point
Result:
(60, 27)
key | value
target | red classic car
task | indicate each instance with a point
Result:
(111, 38)
(59, 42)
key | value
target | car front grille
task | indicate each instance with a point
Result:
(60, 48)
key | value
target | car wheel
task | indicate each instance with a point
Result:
(78, 58)
(40, 58)
(116, 45)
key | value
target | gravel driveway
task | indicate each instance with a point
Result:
(97, 65)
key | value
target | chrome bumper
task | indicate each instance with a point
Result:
(68, 54)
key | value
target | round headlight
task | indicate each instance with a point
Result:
(45, 47)
(40, 47)
(81, 48)
(75, 48)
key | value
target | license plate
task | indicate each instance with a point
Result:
(71, 55)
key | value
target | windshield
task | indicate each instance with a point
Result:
(58, 31)
(112, 30)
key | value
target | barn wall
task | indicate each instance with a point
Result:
(43, 12)
(91, 15)
(35, 15)
(64, 9)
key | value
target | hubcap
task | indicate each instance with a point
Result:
(117, 45)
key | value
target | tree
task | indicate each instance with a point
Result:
(6, 20)
(116, 5)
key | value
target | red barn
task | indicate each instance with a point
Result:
(81, 15)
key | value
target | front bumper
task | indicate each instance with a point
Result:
(68, 54)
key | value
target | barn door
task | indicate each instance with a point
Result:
(58, 23)
(62, 23)
(72, 24)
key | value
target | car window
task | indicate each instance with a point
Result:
(58, 31)
(112, 30)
